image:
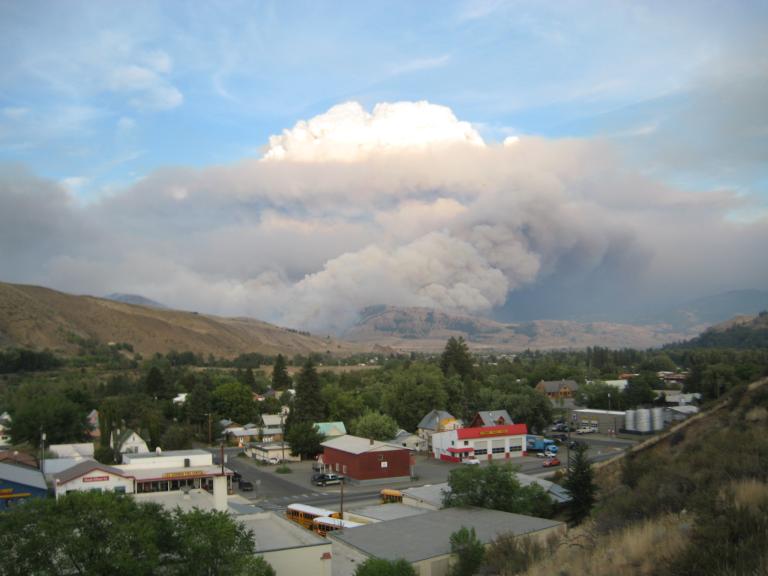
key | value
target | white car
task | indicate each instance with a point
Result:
(471, 462)
(586, 430)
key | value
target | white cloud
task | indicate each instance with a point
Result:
(149, 89)
(348, 133)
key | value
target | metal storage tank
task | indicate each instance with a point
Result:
(657, 419)
(643, 420)
(630, 420)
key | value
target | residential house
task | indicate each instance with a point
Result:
(5, 429)
(558, 389)
(94, 431)
(435, 421)
(18, 458)
(272, 428)
(493, 418)
(128, 442)
(408, 440)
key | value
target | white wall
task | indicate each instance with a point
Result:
(96, 480)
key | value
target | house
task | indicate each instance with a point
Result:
(240, 436)
(558, 389)
(618, 384)
(128, 442)
(486, 442)
(407, 440)
(17, 483)
(423, 540)
(89, 476)
(5, 430)
(331, 429)
(272, 429)
(367, 461)
(494, 418)
(180, 398)
(436, 421)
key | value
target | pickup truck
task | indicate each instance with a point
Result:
(586, 429)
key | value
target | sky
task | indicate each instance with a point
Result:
(297, 161)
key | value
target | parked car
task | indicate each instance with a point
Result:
(236, 477)
(573, 444)
(559, 437)
(324, 479)
(551, 462)
(471, 462)
(246, 486)
(586, 429)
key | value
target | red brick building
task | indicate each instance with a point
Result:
(366, 461)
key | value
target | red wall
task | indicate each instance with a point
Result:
(367, 466)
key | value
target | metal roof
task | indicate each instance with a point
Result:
(84, 468)
(358, 445)
(195, 452)
(428, 535)
(492, 417)
(432, 420)
(22, 475)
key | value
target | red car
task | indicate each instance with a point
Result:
(551, 462)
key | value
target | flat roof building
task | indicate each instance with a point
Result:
(17, 483)
(367, 461)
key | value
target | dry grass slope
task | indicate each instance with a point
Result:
(36, 317)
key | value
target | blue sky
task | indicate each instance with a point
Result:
(297, 161)
(99, 94)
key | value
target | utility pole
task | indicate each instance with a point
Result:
(341, 507)
(42, 451)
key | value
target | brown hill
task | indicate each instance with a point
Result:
(425, 329)
(36, 317)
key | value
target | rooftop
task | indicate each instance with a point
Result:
(177, 453)
(22, 475)
(358, 445)
(385, 512)
(431, 494)
(272, 532)
(84, 467)
(196, 498)
(428, 535)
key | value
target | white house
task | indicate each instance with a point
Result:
(128, 442)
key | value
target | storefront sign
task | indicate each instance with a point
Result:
(96, 479)
(183, 474)
(493, 432)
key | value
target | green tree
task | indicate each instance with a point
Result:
(308, 405)
(637, 392)
(156, 385)
(176, 437)
(469, 552)
(412, 392)
(581, 485)
(280, 378)
(304, 439)
(61, 419)
(382, 567)
(234, 400)
(94, 533)
(456, 359)
(374, 425)
(198, 405)
(495, 487)
(595, 395)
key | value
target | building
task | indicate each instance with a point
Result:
(494, 418)
(18, 458)
(128, 442)
(173, 470)
(367, 461)
(272, 452)
(486, 442)
(289, 548)
(428, 497)
(423, 540)
(558, 389)
(272, 429)
(94, 430)
(91, 476)
(331, 429)
(674, 414)
(618, 384)
(5, 429)
(407, 440)
(241, 435)
(606, 421)
(76, 451)
(17, 483)
(382, 513)
(434, 422)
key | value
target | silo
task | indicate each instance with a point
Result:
(643, 420)
(657, 419)
(630, 420)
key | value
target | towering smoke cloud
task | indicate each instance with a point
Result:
(403, 205)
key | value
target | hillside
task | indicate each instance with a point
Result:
(693, 501)
(134, 299)
(425, 329)
(36, 317)
(707, 311)
(739, 332)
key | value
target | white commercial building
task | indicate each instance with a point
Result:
(90, 476)
(483, 442)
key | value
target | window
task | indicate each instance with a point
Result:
(515, 448)
(344, 468)
(119, 489)
(480, 451)
(498, 450)
(466, 442)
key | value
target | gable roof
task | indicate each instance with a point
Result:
(424, 536)
(331, 428)
(20, 458)
(123, 437)
(23, 475)
(553, 386)
(358, 445)
(491, 418)
(432, 420)
(84, 468)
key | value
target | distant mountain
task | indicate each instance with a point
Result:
(36, 317)
(425, 329)
(738, 332)
(703, 312)
(135, 299)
